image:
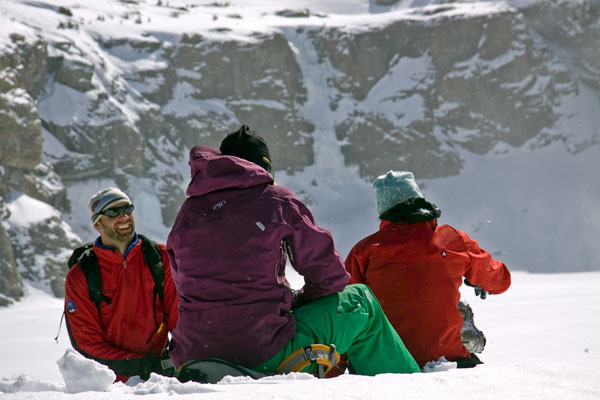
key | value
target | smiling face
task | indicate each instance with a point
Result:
(117, 232)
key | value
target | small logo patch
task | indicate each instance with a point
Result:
(444, 253)
(260, 226)
(71, 307)
(219, 205)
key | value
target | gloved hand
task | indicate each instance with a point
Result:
(167, 368)
(299, 299)
(479, 291)
(161, 365)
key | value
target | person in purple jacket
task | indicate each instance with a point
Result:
(228, 249)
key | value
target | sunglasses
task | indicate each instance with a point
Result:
(116, 211)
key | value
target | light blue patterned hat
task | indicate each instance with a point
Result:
(103, 200)
(393, 188)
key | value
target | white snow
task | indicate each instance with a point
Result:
(60, 98)
(25, 210)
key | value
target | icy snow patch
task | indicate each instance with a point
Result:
(24, 383)
(160, 384)
(440, 365)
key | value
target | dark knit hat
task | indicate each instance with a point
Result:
(248, 145)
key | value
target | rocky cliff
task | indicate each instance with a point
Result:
(119, 96)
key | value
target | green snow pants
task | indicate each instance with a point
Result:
(354, 322)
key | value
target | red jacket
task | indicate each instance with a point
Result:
(415, 271)
(128, 328)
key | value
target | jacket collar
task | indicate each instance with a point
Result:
(384, 224)
(98, 244)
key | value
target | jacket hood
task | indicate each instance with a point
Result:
(213, 171)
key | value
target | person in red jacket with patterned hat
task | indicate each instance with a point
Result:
(128, 330)
(415, 268)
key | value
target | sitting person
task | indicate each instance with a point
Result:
(415, 268)
(120, 306)
(228, 249)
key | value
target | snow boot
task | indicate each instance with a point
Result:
(471, 362)
(472, 338)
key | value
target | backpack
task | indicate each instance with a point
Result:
(85, 257)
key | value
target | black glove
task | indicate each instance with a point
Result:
(167, 366)
(143, 366)
(299, 299)
(479, 291)
(161, 365)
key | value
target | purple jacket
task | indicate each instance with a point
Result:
(228, 263)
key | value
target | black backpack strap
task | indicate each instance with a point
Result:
(77, 253)
(154, 261)
(89, 265)
(86, 258)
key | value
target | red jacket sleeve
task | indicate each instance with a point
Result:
(483, 270)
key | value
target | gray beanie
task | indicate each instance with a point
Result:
(393, 188)
(103, 200)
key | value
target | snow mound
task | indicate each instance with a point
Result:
(24, 383)
(82, 375)
(159, 384)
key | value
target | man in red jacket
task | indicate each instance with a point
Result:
(415, 268)
(128, 330)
